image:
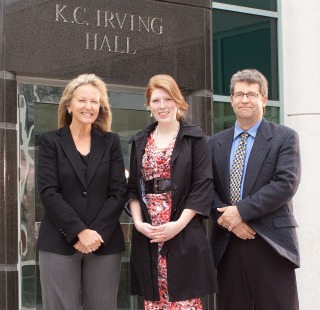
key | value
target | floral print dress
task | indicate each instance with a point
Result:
(156, 163)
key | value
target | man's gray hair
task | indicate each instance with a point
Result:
(250, 76)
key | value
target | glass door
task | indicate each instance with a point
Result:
(38, 103)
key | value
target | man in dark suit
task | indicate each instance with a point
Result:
(254, 239)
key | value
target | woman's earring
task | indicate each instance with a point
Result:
(69, 112)
(151, 115)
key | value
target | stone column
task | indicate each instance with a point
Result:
(9, 295)
(301, 80)
(9, 280)
(200, 103)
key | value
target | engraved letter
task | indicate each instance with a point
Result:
(94, 40)
(123, 20)
(58, 13)
(106, 19)
(159, 28)
(76, 18)
(116, 45)
(132, 22)
(128, 47)
(141, 22)
(98, 18)
(105, 42)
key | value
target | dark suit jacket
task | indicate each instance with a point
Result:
(73, 201)
(271, 180)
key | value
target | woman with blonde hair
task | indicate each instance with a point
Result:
(170, 191)
(82, 187)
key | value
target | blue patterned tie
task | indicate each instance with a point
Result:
(237, 169)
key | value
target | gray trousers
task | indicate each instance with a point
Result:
(86, 280)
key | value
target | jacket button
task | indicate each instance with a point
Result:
(169, 255)
(174, 186)
(85, 194)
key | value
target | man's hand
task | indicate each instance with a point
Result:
(244, 231)
(230, 217)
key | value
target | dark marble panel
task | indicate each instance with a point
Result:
(208, 50)
(125, 42)
(200, 3)
(12, 290)
(11, 196)
(1, 36)
(200, 110)
(3, 291)
(8, 197)
(2, 101)
(3, 233)
(8, 100)
(9, 290)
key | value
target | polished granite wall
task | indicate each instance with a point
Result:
(125, 42)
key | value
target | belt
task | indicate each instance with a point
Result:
(158, 186)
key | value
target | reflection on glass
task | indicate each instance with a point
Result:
(38, 114)
(243, 41)
(30, 204)
(224, 116)
(270, 5)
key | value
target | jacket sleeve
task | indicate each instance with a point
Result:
(217, 200)
(282, 186)
(217, 203)
(108, 218)
(200, 194)
(133, 175)
(57, 209)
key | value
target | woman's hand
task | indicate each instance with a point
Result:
(165, 232)
(90, 239)
(140, 225)
(81, 248)
(145, 228)
(168, 230)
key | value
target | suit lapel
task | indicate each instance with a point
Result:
(258, 154)
(222, 160)
(141, 143)
(71, 152)
(186, 129)
(98, 145)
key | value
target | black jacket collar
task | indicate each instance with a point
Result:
(186, 129)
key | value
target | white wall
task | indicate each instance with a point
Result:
(301, 83)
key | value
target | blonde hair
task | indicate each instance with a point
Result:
(167, 83)
(104, 118)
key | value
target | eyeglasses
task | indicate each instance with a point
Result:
(250, 96)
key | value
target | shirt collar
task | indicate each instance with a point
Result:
(252, 131)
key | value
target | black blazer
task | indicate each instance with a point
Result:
(271, 180)
(73, 201)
